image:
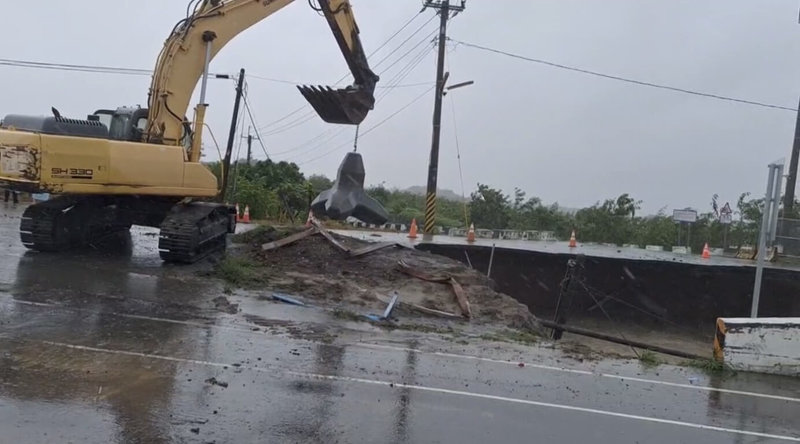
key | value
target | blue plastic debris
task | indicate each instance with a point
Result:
(288, 299)
(387, 312)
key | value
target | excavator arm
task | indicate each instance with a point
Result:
(195, 41)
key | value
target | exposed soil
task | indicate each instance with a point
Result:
(315, 271)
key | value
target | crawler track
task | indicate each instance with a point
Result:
(67, 222)
(192, 231)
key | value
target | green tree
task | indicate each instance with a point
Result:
(319, 183)
(489, 208)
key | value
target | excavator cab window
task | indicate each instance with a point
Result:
(124, 123)
(120, 127)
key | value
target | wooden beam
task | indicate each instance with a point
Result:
(288, 240)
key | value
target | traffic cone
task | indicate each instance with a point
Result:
(238, 214)
(246, 216)
(412, 233)
(706, 251)
(310, 218)
(572, 241)
(471, 233)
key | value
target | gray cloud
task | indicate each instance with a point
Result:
(560, 135)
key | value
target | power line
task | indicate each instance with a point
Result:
(255, 124)
(310, 114)
(372, 128)
(392, 83)
(403, 73)
(404, 41)
(625, 79)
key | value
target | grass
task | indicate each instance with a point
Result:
(240, 272)
(649, 359)
(710, 366)
(253, 235)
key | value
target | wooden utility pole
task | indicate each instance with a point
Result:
(444, 8)
(226, 164)
(791, 179)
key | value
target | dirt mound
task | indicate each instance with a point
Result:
(313, 268)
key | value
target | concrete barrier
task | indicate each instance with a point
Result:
(654, 248)
(763, 345)
(680, 250)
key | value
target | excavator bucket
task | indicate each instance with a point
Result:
(347, 196)
(346, 106)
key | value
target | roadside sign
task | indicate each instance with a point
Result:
(726, 209)
(725, 218)
(685, 215)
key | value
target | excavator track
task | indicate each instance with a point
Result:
(68, 222)
(192, 231)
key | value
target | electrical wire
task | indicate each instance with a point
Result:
(219, 153)
(404, 42)
(398, 77)
(245, 96)
(625, 79)
(310, 114)
(372, 128)
(458, 156)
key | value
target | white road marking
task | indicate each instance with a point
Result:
(438, 390)
(584, 372)
(142, 317)
(459, 356)
(549, 405)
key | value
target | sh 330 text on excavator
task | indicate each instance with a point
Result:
(137, 166)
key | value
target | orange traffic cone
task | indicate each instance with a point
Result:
(706, 251)
(246, 216)
(238, 214)
(572, 241)
(471, 233)
(412, 233)
(310, 218)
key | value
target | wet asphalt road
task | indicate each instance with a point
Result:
(101, 347)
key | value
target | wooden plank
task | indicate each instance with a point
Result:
(421, 309)
(288, 240)
(461, 297)
(372, 248)
(419, 274)
(327, 234)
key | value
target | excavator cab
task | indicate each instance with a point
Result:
(124, 123)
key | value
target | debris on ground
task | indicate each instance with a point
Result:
(287, 299)
(214, 381)
(222, 303)
(352, 272)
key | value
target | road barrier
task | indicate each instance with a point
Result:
(763, 345)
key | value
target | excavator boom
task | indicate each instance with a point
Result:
(196, 39)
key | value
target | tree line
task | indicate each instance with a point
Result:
(280, 191)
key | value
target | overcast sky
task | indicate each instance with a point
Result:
(563, 136)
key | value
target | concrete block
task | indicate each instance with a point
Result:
(654, 248)
(680, 250)
(762, 345)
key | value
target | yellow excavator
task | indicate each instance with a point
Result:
(136, 166)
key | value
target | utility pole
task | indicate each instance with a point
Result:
(226, 165)
(791, 179)
(444, 8)
(250, 139)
